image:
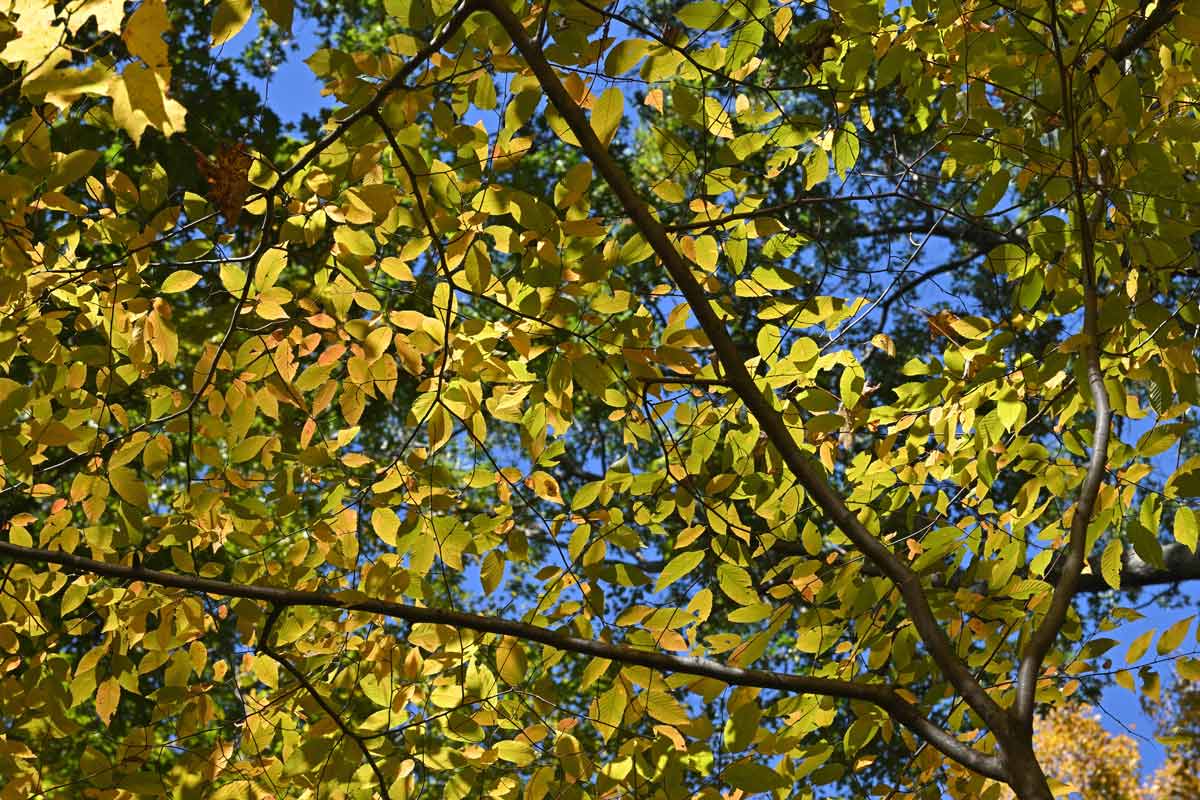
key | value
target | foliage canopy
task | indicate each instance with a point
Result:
(653, 400)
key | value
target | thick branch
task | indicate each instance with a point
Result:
(1137, 38)
(807, 472)
(1179, 564)
(884, 696)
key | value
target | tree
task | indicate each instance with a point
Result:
(570, 410)
(1077, 751)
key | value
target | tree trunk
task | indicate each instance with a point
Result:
(1026, 778)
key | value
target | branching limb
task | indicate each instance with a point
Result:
(880, 694)
(807, 472)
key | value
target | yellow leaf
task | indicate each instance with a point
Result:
(107, 13)
(510, 661)
(179, 281)
(230, 18)
(38, 36)
(1173, 636)
(129, 487)
(140, 100)
(570, 755)
(108, 694)
(144, 31)
(607, 113)
(385, 523)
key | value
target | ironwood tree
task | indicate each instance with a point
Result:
(654, 400)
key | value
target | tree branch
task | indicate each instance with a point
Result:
(1043, 637)
(881, 695)
(1135, 39)
(1179, 564)
(807, 472)
(264, 644)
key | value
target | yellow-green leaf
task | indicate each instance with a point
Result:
(179, 281)
(231, 16)
(129, 487)
(385, 523)
(737, 584)
(1173, 636)
(678, 567)
(606, 114)
(1110, 563)
(750, 776)
(1185, 527)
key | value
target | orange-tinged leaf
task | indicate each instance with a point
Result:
(108, 695)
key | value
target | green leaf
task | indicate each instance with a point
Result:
(846, 147)
(750, 776)
(704, 15)
(678, 567)
(992, 192)
(1145, 544)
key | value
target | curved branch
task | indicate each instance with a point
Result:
(807, 472)
(879, 694)
(1042, 639)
